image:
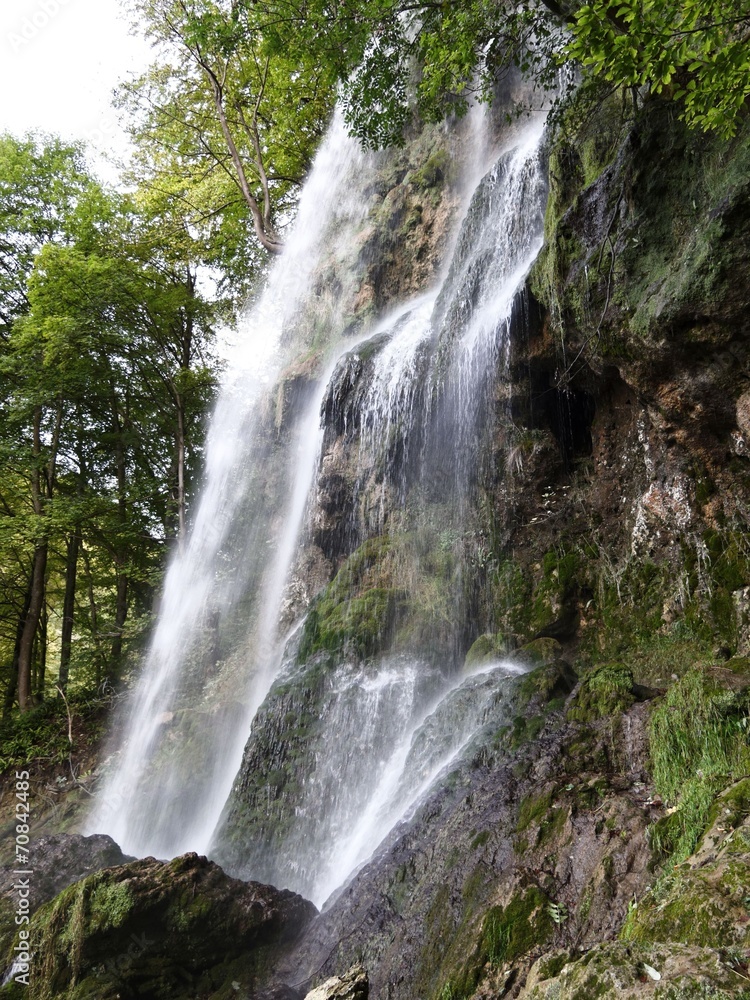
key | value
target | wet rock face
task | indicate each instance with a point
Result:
(521, 851)
(162, 930)
(351, 986)
(57, 860)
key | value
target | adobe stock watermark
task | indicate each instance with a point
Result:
(27, 30)
(103, 133)
(119, 967)
(22, 872)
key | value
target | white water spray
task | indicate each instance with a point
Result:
(392, 726)
(160, 818)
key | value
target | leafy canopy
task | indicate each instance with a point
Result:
(697, 51)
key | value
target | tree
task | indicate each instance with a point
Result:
(224, 115)
(694, 51)
(104, 380)
(394, 56)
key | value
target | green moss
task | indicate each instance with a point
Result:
(606, 690)
(732, 806)
(540, 811)
(434, 171)
(486, 648)
(552, 965)
(548, 683)
(480, 839)
(525, 729)
(363, 624)
(585, 905)
(510, 594)
(688, 908)
(532, 809)
(538, 652)
(518, 928)
(698, 746)
(110, 905)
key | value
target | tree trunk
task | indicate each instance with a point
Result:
(38, 569)
(26, 648)
(265, 237)
(66, 638)
(41, 655)
(121, 605)
(121, 613)
(10, 692)
(180, 471)
(94, 614)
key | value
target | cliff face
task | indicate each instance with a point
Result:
(608, 514)
(578, 513)
(603, 528)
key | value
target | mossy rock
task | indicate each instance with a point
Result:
(434, 171)
(364, 624)
(547, 683)
(540, 812)
(523, 926)
(704, 901)
(732, 807)
(617, 972)
(537, 652)
(606, 690)
(698, 747)
(739, 665)
(487, 648)
(158, 929)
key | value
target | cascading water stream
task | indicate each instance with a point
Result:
(353, 743)
(409, 403)
(157, 815)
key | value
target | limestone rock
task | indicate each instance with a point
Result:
(58, 860)
(162, 929)
(617, 971)
(351, 986)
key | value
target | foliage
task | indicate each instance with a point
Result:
(41, 735)
(699, 744)
(225, 123)
(606, 690)
(695, 51)
(105, 374)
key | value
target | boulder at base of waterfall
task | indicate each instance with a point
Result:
(168, 930)
(58, 861)
(353, 985)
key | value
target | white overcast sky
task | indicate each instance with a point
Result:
(59, 62)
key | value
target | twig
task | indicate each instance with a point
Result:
(76, 782)
(70, 717)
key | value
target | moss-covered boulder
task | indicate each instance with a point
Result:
(546, 684)
(606, 690)
(705, 901)
(538, 652)
(486, 648)
(161, 930)
(59, 860)
(616, 971)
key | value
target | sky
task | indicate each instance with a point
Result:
(59, 62)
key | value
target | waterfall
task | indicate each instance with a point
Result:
(148, 802)
(347, 744)
(346, 733)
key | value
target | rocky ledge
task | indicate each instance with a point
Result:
(163, 930)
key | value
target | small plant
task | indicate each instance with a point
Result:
(558, 912)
